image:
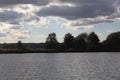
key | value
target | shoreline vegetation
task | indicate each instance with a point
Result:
(82, 43)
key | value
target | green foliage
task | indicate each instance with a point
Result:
(93, 39)
(20, 45)
(68, 40)
(112, 43)
(51, 42)
(80, 43)
(51, 38)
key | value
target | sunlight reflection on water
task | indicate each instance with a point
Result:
(60, 66)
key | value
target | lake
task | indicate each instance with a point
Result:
(60, 66)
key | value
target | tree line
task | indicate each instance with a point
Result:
(84, 42)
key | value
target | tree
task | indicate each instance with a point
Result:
(51, 42)
(4, 45)
(51, 38)
(84, 36)
(93, 39)
(20, 45)
(80, 43)
(112, 42)
(68, 41)
(114, 38)
(93, 42)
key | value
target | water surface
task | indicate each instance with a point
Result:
(60, 66)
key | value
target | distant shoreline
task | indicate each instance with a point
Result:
(46, 51)
(82, 43)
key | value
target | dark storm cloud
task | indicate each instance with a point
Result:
(76, 11)
(88, 11)
(5, 3)
(99, 11)
(89, 22)
(81, 9)
(7, 16)
(87, 2)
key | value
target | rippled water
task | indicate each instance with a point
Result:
(60, 66)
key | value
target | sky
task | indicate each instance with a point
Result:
(32, 20)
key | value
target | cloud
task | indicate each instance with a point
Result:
(16, 17)
(76, 25)
(16, 27)
(37, 21)
(6, 3)
(9, 16)
(83, 14)
(78, 14)
(87, 2)
(13, 20)
(2, 34)
(13, 31)
(19, 34)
